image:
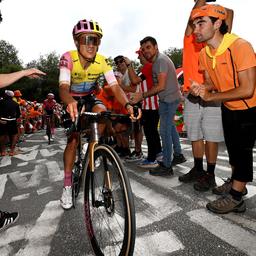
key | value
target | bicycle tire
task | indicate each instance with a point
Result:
(110, 222)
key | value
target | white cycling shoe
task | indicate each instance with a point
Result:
(66, 198)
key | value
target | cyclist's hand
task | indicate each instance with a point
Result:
(72, 110)
(134, 117)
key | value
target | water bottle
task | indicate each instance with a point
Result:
(85, 147)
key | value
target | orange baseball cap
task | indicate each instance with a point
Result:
(17, 93)
(211, 10)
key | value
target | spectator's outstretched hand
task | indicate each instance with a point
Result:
(34, 73)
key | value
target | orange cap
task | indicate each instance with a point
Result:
(17, 93)
(211, 10)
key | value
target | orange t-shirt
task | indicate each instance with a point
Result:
(191, 50)
(222, 75)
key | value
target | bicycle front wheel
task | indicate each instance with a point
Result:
(109, 206)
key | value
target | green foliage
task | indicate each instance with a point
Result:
(9, 61)
(175, 55)
(49, 64)
(32, 89)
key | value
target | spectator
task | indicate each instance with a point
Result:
(234, 85)
(202, 119)
(9, 112)
(150, 115)
(167, 88)
(129, 88)
(6, 218)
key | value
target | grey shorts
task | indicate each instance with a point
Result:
(203, 120)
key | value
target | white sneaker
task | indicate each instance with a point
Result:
(66, 198)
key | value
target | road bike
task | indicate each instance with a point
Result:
(108, 200)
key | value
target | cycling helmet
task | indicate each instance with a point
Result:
(86, 26)
(50, 95)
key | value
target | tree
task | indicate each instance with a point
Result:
(175, 55)
(9, 61)
(49, 64)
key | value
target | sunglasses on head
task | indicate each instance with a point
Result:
(119, 61)
(89, 40)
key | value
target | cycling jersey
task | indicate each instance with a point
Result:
(49, 104)
(84, 81)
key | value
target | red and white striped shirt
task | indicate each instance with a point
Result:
(146, 85)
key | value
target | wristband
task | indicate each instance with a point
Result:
(126, 105)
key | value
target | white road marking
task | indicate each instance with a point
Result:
(3, 180)
(20, 197)
(225, 230)
(46, 153)
(162, 243)
(40, 236)
(27, 157)
(157, 205)
(26, 149)
(44, 190)
(55, 174)
(22, 182)
(5, 161)
(6, 250)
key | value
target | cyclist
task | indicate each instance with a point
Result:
(79, 71)
(49, 105)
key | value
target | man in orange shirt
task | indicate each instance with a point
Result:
(231, 79)
(202, 119)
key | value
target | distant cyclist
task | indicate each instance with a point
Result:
(49, 106)
(79, 71)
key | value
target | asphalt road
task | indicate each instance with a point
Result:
(171, 217)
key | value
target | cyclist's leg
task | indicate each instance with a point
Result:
(69, 159)
(52, 123)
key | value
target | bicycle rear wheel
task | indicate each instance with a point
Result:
(109, 206)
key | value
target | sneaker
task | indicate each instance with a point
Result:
(225, 188)
(125, 152)
(134, 156)
(159, 157)
(7, 219)
(161, 170)
(205, 182)
(148, 164)
(66, 198)
(178, 159)
(226, 204)
(191, 176)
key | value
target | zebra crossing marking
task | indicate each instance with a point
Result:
(158, 205)
(225, 230)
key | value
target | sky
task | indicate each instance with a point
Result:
(38, 27)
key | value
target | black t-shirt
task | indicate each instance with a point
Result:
(9, 108)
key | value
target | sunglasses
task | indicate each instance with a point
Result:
(89, 40)
(119, 61)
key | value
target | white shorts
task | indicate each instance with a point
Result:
(203, 120)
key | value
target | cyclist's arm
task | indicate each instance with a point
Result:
(69, 100)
